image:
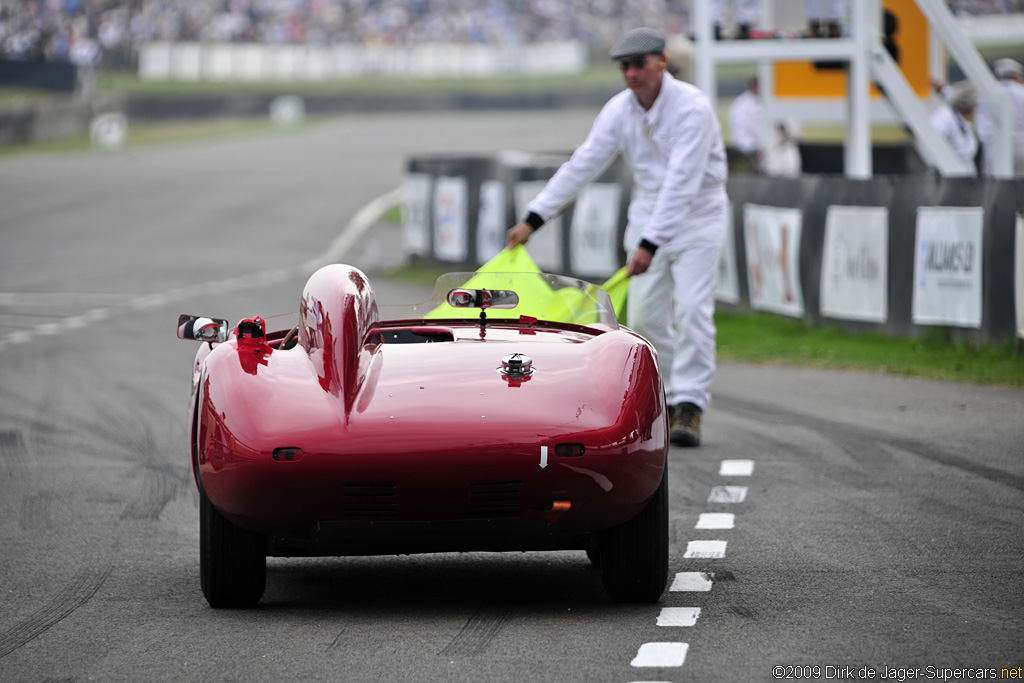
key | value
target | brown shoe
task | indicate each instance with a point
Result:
(684, 428)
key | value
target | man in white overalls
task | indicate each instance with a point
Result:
(668, 133)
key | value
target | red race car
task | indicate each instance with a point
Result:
(509, 412)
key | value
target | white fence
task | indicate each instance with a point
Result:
(257, 62)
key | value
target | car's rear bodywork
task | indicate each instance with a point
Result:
(436, 427)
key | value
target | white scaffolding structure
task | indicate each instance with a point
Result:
(868, 62)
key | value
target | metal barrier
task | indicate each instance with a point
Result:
(893, 254)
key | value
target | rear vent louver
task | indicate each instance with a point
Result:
(373, 500)
(495, 498)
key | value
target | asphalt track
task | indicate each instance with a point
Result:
(836, 520)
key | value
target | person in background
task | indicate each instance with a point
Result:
(782, 149)
(773, 150)
(746, 14)
(825, 18)
(953, 121)
(746, 117)
(668, 134)
(1011, 77)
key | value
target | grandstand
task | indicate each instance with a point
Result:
(109, 33)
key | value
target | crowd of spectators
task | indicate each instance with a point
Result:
(985, 6)
(82, 30)
(87, 31)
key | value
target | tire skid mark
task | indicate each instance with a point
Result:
(77, 592)
(846, 436)
(102, 429)
(35, 511)
(12, 445)
(162, 484)
(14, 463)
(483, 626)
(13, 453)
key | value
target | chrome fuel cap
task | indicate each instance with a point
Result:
(516, 365)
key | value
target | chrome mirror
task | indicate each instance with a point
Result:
(482, 298)
(200, 328)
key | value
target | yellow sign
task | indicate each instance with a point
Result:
(909, 36)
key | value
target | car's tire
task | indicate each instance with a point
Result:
(594, 555)
(232, 560)
(634, 555)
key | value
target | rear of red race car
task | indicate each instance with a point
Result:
(371, 437)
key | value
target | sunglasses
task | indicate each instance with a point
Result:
(635, 62)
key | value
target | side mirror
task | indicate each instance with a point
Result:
(200, 328)
(482, 298)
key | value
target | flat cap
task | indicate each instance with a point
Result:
(639, 41)
(1007, 68)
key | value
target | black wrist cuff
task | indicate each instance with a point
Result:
(533, 220)
(649, 246)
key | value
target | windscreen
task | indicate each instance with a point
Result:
(546, 297)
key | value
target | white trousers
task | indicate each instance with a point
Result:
(672, 305)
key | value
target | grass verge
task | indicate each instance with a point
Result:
(768, 339)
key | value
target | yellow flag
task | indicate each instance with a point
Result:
(492, 275)
(617, 286)
(537, 299)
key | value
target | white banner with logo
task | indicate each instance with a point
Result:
(772, 237)
(1018, 274)
(416, 189)
(492, 221)
(947, 266)
(450, 208)
(855, 263)
(545, 246)
(727, 286)
(593, 235)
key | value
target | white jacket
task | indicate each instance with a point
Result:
(958, 130)
(986, 128)
(675, 152)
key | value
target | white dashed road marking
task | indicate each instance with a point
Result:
(728, 494)
(678, 616)
(708, 550)
(736, 468)
(697, 582)
(661, 654)
(674, 654)
(716, 520)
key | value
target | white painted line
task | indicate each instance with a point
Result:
(716, 520)
(356, 228)
(661, 654)
(708, 550)
(695, 582)
(678, 616)
(364, 219)
(736, 468)
(43, 299)
(728, 494)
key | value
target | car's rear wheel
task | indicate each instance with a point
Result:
(232, 560)
(634, 555)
